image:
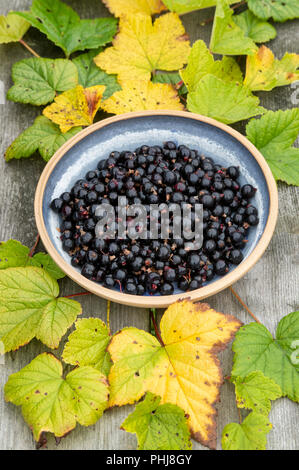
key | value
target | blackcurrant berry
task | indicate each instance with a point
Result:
(247, 191)
(236, 256)
(88, 270)
(221, 267)
(57, 205)
(253, 220)
(167, 289)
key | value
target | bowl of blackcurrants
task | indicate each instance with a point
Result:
(157, 161)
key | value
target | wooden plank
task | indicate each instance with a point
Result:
(270, 289)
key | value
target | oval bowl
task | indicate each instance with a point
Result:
(127, 132)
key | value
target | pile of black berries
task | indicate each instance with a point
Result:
(155, 175)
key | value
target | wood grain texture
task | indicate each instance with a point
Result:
(270, 288)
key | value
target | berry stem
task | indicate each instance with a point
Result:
(244, 305)
(34, 246)
(29, 48)
(153, 316)
(77, 295)
(108, 315)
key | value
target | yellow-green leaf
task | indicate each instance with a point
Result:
(15, 255)
(158, 427)
(53, 404)
(264, 72)
(185, 371)
(227, 37)
(250, 435)
(141, 47)
(141, 95)
(201, 63)
(30, 307)
(12, 28)
(87, 345)
(76, 107)
(255, 392)
(226, 102)
(183, 6)
(43, 260)
(123, 7)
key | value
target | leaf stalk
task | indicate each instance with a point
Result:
(108, 315)
(244, 305)
(29, 48)
(33, 249)
(77, 295)
(154, 323)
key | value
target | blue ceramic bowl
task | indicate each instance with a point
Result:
(127, 132)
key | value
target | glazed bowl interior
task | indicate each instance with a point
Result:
(127, 132)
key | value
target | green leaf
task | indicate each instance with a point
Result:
(227, 37)
(91, 75)
(63, 26)
(279, 128)
(254, 28)
(285, 166)
(279, 10)
(87, 346)
(158, 427)
(43, 260)
(201, 63)
(226, 102)
(256, 350)
(181, 6)
(44, 136)
(37, 80)
(15, 255)
(12, 28)
(30, 308)
(172, 79)
(255, 391)
(274, 134)
(250, 435)
(53, 404)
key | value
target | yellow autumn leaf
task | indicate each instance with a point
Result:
(123, 7)
(264, 72)
(185, 371)
(141, 95)
(76, 107)
(142, 47)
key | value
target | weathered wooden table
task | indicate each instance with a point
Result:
(270, 289)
